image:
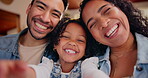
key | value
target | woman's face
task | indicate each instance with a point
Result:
(107, 23)
(72, 43)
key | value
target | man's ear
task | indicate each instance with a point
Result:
(28, 8)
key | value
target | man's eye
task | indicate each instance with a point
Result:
(56, 15)
(40, 7)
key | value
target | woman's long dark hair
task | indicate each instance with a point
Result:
(137, 22)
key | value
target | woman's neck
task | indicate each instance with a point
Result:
(128, 46)
(66, 67)
(120, 57)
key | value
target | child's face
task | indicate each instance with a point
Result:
(72, 43)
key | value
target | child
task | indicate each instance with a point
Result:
(69, 48)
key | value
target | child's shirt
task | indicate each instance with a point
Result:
(74, 73)
(48, 69)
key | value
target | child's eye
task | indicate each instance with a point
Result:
(82, 41)
(92, 25)
(64, 36)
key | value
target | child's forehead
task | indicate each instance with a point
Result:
(74, 25)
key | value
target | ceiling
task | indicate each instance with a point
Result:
(74, 4)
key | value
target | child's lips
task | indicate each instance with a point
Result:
(70, 51)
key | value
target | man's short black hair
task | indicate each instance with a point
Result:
(65, 2)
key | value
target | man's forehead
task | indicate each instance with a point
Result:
(57, 4)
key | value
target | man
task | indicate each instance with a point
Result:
(30, 44)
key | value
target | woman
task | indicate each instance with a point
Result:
(123, 32)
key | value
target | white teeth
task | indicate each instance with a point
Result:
(70, 51)
(112, 30)
(40, 26)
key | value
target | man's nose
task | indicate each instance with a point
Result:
(46, 17)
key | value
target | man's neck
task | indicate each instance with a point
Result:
(28, 40)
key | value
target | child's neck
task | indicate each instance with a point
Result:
(66, 67)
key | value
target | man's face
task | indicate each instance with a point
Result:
(43, 16)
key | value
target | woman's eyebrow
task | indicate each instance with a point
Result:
(102, 7)
(89, 21)
(97, 12)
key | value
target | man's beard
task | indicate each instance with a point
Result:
(29, 28)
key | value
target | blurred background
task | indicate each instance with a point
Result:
(13, 13)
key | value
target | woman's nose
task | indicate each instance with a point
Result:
(102, 22)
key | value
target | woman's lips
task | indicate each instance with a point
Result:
(112, 31)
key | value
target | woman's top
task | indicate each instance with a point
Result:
(141, 67)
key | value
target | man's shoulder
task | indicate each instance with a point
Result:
(9, 37)
(8, 40)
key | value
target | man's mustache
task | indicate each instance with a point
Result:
(46, 23)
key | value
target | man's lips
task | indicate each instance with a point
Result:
(42, 25)
(42, 29)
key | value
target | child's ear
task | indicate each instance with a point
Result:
(54, 49)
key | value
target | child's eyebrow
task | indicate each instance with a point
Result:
(83, 36)
(66, 31)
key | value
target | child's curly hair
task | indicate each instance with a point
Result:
(59, 29)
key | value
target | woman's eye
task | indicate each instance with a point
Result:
(107, 10)
(92, 25)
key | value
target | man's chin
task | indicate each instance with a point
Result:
(39, 38)
(43, 37)
(35, 36)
